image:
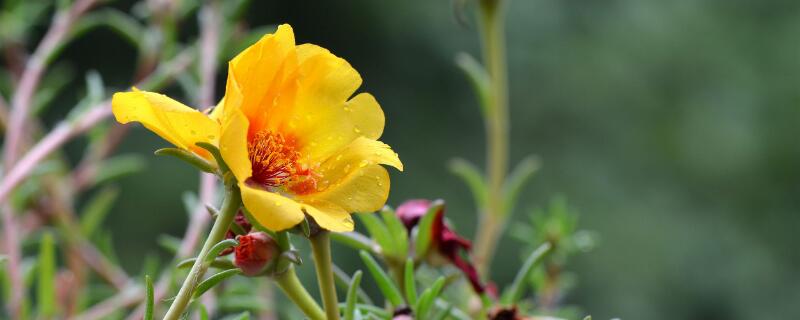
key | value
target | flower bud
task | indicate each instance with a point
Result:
(241, 221)
(254, 252)
(446, 242)
(411, 211)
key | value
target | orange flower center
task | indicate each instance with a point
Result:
(274, 159)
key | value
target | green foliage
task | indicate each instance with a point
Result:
(350, 310)
(385, 284)
(46, 289)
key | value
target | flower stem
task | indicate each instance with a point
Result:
(321, 248)
(497, 128)
(293, 289)
(230, 205)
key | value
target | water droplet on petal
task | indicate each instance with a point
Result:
(357, 130)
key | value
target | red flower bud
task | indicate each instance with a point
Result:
(253, 253)
(447, 243)
(241, 221)
(411, 211)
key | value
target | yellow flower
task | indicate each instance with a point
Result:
(289, 130)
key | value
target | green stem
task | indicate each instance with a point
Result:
(221, 224)
(293, 289)
(321, 248)
(497, 130)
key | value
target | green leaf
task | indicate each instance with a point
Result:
(119, 166)
(221, 263)
(213, 253)
(513, 293)
(214, 280)
(443, 313)
(410, 286)
(350, 310)
(343, 281)
(354, 240)
(587, 318)
(203, 312)
(473, 178)
(223, 168)
(375, 311)
(424, 230)
(169, 243)
(397, 230)
(521, 174)
(46, 290)
(479, 78)
(188, 157)
(96, 209)
(385, 283)
(149, 298)
(428, 297)
(378, 231)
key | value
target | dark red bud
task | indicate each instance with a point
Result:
(241, 221)
(411, 211)
(253, 253)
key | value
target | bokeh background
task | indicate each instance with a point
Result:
(671, 126)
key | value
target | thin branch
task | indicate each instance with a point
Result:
(66, 130)
(128, 297)
(32, 75)
(17, 119)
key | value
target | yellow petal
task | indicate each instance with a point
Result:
(363, 190)
(354, 179)
(325, 121)
(329, 216)
(271, 210)
(170, 119)
(233, 140)
(360, 153)
(265, 74)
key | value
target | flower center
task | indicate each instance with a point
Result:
(274, 159)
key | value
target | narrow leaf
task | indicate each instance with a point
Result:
(188, 157)
(521, 174)
(479, 79)
(410, 286)
(424, 230)
(397, 230)
(343, 280)
(354, 240)
(217, 263)
(95, 211)
(385, 284)
(473, 178)
(213, 253)
(215, 153)
(378, 231)
(214, 280)
(46, 290)
(428, 297)
(149, 298)
(350, 310)
(514, 291)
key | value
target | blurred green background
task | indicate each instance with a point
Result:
(670, 126)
